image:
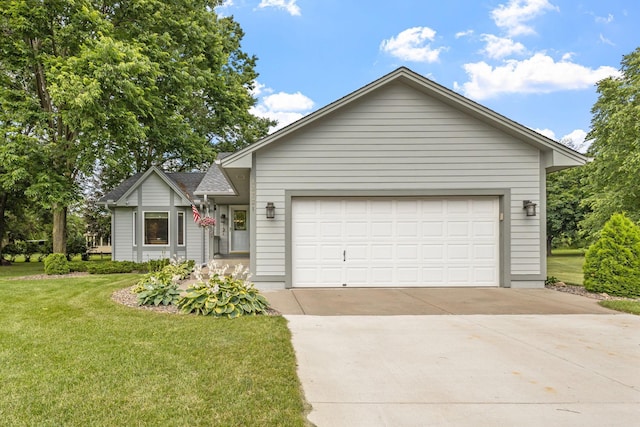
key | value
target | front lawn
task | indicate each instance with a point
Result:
(71, 356)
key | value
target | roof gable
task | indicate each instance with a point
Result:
(182, 183)
(559, 156)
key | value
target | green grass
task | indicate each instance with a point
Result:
(626, 306)
(71, 356)
(17, 269)
(566, 265)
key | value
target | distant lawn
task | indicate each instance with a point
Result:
(17, 269)
(71, 356)
(566, 265)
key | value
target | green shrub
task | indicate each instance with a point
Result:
(612, 263)
(10, 251)
(76, 245)
(223, 295)
(56, 264)
(78, 266)
(114, 267)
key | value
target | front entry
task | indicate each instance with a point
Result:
(239, 229)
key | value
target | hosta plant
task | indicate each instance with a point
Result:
(221, 294)
(161, 287)
(159, 290)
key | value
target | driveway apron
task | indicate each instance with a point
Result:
(470, 369)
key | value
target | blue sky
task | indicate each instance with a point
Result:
(534, 61)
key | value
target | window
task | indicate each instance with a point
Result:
(180, 228)
(156, 228)
(135, 228)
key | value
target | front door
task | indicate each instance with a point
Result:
(239, 229)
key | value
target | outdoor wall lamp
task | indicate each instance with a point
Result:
(223, 219)
(530, 207)
(271, 210)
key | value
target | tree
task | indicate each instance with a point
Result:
(613, 174)
(121, 85)
(612, 263)
(565, 206)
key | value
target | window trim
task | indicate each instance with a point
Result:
(183, 235)
(144, 229)
(135, 228)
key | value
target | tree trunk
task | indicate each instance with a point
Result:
(60, 230)
(549, 244)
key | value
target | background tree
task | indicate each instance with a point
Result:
(566, 207)
(613, 175)
(123, 85)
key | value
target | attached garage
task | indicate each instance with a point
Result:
(381, 242)
(400, 183)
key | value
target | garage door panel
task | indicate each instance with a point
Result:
(433, 207)
(382, 276)
(485, 253)
(457, 252)
(406, 253)
(458, 229)
(395, 242)
(458, 275)
(381, 253)
(433, 229)
(486, 229)
(382, 229)
(330, 253)
(433, 253)
(407, 229)
(457, 207)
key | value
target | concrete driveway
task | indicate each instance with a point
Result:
(571, 369)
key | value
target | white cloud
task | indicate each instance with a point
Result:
(284, 107)
(288, 5)
(499, 47)
(605, 40)
(575, 139)
(259, 89)
(547, 132)
(282, 101)
(538, 74)
(604, 19)
(464, 33)
(514, 16)
(413, 44)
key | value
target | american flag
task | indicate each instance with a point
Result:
(196, 214)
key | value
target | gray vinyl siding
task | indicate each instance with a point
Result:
(155, 192)
(122, 242)
(397, 139)
(154, 195)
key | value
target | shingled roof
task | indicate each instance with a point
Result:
(211, 182)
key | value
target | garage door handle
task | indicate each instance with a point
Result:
(344, 256)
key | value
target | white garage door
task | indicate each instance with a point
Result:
(395, 242)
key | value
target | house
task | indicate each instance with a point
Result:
(400, 183)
